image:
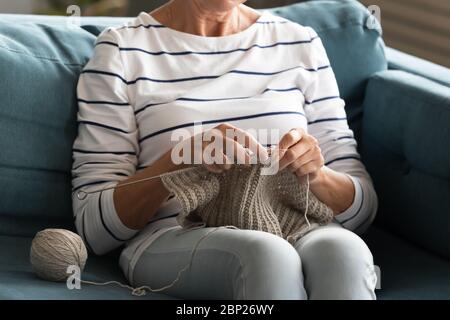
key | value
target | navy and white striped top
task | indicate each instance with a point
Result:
(146, 80)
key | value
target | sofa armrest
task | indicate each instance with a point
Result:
(398, 60)
(405, 145)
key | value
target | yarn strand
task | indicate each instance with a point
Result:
(307, 201)
(142, 290)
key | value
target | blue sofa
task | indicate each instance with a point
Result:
(397, 105)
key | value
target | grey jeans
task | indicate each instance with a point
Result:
(327, 263)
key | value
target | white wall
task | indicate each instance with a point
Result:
(419, 27)
(20, 6)
(16, 6)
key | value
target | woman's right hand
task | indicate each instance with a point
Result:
(219, 148)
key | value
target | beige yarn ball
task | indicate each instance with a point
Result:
(54, 250)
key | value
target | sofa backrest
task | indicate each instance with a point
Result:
(40, 61)
(353, 43)
(39, 65)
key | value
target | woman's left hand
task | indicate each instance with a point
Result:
(300, 153)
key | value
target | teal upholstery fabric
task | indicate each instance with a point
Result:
(406, 148)
(18, 281)
(354, 50)
(349, 43)
(407, 272)
(61, 21)
(40, 62)
(39, 65)
(398, 60)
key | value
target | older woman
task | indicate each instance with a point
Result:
(228, 66)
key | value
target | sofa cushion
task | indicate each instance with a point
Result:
(398, 60)
(61, 21)
(40, 62)
(354, 50)
(406, 148)
(18, 281)
(407, 272)
(39, 65)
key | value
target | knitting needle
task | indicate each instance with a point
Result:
(81, 194)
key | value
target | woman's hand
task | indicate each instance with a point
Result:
(300, 152)
(219, 148)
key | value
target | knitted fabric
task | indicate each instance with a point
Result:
(243, 198)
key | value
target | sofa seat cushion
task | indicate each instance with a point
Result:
(407, 271)
(18, 281)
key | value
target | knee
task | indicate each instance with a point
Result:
(271, 267)
(341, 245)
(269, 251)
(338, 265)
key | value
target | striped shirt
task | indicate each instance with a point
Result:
(146, 80)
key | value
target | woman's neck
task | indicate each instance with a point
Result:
(189, 17)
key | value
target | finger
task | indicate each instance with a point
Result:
(225, 152)
(257, 150)
(294, 153)
(236, 153)
(245, 139)
(213, 168)
(289, 139)
(212, 147)
(212, 152)
(313, 156)
(306, 157)
(226, 163)
(218, 163)
(308, 168)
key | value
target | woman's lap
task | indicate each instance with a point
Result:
(246, 264)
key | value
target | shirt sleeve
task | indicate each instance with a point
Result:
(106, 148)
(327, 122)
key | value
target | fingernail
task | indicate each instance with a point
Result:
(296, 134)
(264, 156)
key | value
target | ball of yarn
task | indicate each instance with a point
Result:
(54, 250)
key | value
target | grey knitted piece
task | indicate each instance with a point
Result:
(243, 198)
